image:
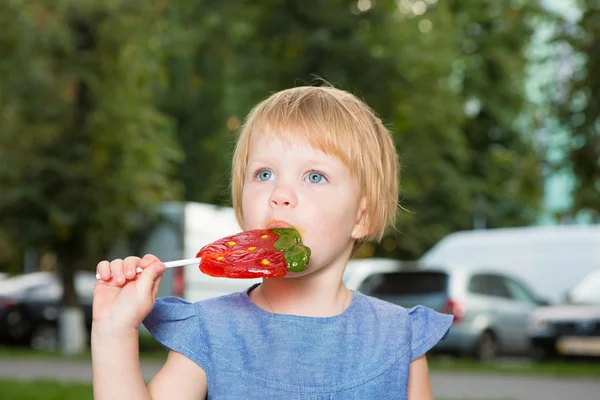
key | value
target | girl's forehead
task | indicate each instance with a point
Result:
(268, 141)
(291, 150)
(262, 143)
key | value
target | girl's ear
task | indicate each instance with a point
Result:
(360, 228)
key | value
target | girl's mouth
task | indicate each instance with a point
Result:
(278, 224)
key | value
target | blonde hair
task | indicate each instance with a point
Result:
(339, 124)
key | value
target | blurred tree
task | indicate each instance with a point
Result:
(84, 153)
(242, 51)
(504, 167)
(580, 109)
(447, 78)
(196, 63)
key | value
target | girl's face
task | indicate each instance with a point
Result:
(290, 183)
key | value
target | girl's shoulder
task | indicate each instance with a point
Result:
(172, 312)
(422, 326)
(180, 325)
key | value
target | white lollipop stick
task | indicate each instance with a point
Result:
(171, 264)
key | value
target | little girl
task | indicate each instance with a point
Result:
(319, 160)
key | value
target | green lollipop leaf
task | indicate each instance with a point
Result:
(296, 254)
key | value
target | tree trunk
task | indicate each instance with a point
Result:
(72, 328)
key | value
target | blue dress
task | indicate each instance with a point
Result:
(249, 353)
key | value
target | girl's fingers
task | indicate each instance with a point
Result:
(150, 278)
(103, 269)
(147, 260)
(129, 266)
(116, 270)
(120, 271)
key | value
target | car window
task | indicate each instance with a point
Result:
(478, 285)
(496, 287)
(488, 285)
(404, 283)
(519, 292)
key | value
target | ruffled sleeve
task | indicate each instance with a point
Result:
(428, 327)
(175, 324)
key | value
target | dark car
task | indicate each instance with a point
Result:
(571, 329)
(30, 307)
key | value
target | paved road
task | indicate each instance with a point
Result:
(446, 385)
(485, 386)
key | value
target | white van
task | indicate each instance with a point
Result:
(551, 259)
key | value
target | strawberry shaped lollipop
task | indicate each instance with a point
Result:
(268, 253)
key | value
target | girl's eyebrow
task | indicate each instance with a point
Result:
(308, 163)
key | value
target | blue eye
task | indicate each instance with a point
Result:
(315, 177)
(264, 175)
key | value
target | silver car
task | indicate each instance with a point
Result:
(571, 329)
(491, 310)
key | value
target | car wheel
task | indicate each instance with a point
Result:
(45, 337)
(487, 347)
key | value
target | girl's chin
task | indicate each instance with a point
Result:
(295, 275)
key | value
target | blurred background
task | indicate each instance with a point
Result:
(117, 124)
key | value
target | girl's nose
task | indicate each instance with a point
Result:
(283, 198)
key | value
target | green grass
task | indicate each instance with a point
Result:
(571, 368)
(47, 390)
(150, 349)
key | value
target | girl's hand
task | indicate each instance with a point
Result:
(122, 297)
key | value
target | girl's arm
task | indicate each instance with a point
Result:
(115, 364)
(117, 374)
(419, 387)
(122, 298)
(180, 376)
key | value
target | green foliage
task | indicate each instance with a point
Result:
(97, 98)
(579, 110)
(493, 172)
(85, 153)
(419, 72)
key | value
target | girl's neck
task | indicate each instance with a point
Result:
(320, 294)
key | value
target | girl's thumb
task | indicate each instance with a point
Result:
(149, 276)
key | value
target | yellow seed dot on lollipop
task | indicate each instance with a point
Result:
(265, 262)
(251, 248)
(264, 236)
(220, 258)
(231, 243)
